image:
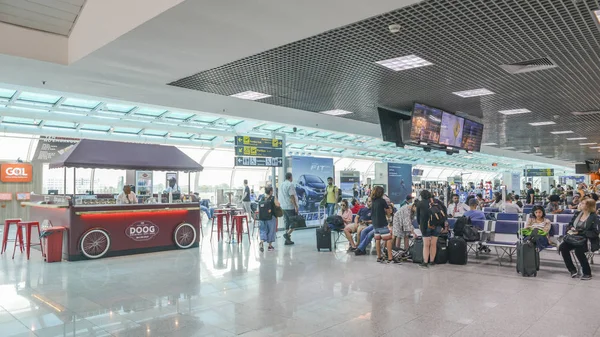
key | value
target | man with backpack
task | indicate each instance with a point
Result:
(432, 218)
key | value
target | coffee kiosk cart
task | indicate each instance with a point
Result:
(98, 227)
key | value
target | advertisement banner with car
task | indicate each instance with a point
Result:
(310, 177)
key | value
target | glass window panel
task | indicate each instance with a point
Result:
(193, 152)
(323, 134)
(14, 148)
(212, 179)
(7, 93)
(15, 120)
(80, 103)
(178, 115)
(181, 135)
(35, 97)
(118, 107)
(94, 127)
(56, 124)
(206, 119)
(150, 112)
(219, 158)
(338, 150)
(255, 177)
(337, 137)
(297, 146)
(155, 133)
(109, 181)
(209, 138)
(233, 122)
(271, 127)
(127, 130)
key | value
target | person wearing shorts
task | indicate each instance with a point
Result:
(403, 226)
(430, 235)
(380, 223)
(362, 218)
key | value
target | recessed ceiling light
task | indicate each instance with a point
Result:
(585, 144)
(585, 113)
(596, 14)
(595, 147)
(404, 62)
(560, 132)
(489, 144)
(577, 138)
(336, 112)
(514, 111)
(251, 95)
(473, 93)
(541, 123)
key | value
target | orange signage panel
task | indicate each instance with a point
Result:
(16, 173)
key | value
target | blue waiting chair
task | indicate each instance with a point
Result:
(508, 216)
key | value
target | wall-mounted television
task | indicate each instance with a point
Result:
(472, 136)
(451, 130)
(581, 169)
(395, 126)
(426, 124)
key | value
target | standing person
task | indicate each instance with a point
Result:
(430, 231)
(403, 226)
(127, 196)
(246, 201)
(268, 228)
(355, 191)
(289, 204)
(380, 223)
(331, 196)
(530, 195)
(584, 224)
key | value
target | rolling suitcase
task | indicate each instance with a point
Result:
(457, 251)
(416, 250)
(527, 259)
(323, 239)
(441, 257)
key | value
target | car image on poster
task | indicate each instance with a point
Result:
(310, 178)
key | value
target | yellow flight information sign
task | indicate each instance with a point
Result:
(258, 142)
(257, 151)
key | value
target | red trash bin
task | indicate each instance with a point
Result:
(52, 238)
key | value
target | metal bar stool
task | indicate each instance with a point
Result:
(5, 240)
(19, 237)
(220, 217)
(238, 226)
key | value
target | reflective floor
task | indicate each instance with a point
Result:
(228, 290)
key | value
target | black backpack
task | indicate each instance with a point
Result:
(437, 216)
(265, 209)
(461, 223)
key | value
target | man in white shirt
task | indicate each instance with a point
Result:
(455, 208)
(173, 187)
(509, 207)
(127, 196)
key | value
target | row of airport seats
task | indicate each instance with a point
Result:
(526, 210)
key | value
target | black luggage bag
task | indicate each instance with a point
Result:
(323, 239)
(457, 251)
(416, 250)
(528, 259)
(441, 257)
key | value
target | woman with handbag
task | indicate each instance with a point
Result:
(582, 228)
(268, 224)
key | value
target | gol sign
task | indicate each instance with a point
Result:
(16, 173)
(142, 231)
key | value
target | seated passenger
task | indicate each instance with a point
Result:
(537, 220)
(356, 206)
(473, 213)
(346, 215)
(480, 202)
(509, 207)
(127, 196)
(585, 224)
(361, 221)
(497, 201)
(403, 223)
(456, 209)
(553, 207)
(575, 203)
(518, 201)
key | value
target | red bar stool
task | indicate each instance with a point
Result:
(220, 217)
(238, 224)
(19, 237)
(5, 239)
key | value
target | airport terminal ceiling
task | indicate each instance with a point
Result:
(536, 60)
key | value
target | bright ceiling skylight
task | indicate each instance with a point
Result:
(597, 15)
(577, 138)
(560, 132)
(473, 93)
(404, 62)
(585, 144)
(251, 95)
(514, 111)
(542, 123)
(336, 112)
(489, 144)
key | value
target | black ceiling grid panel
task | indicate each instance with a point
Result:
(467, 41)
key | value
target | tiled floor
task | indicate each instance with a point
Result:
(227, 290)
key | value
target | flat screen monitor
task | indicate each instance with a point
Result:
(472, 136)
(389, 126)
(451, 130)
(426, 124)
(593, 166)
(581, 169)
